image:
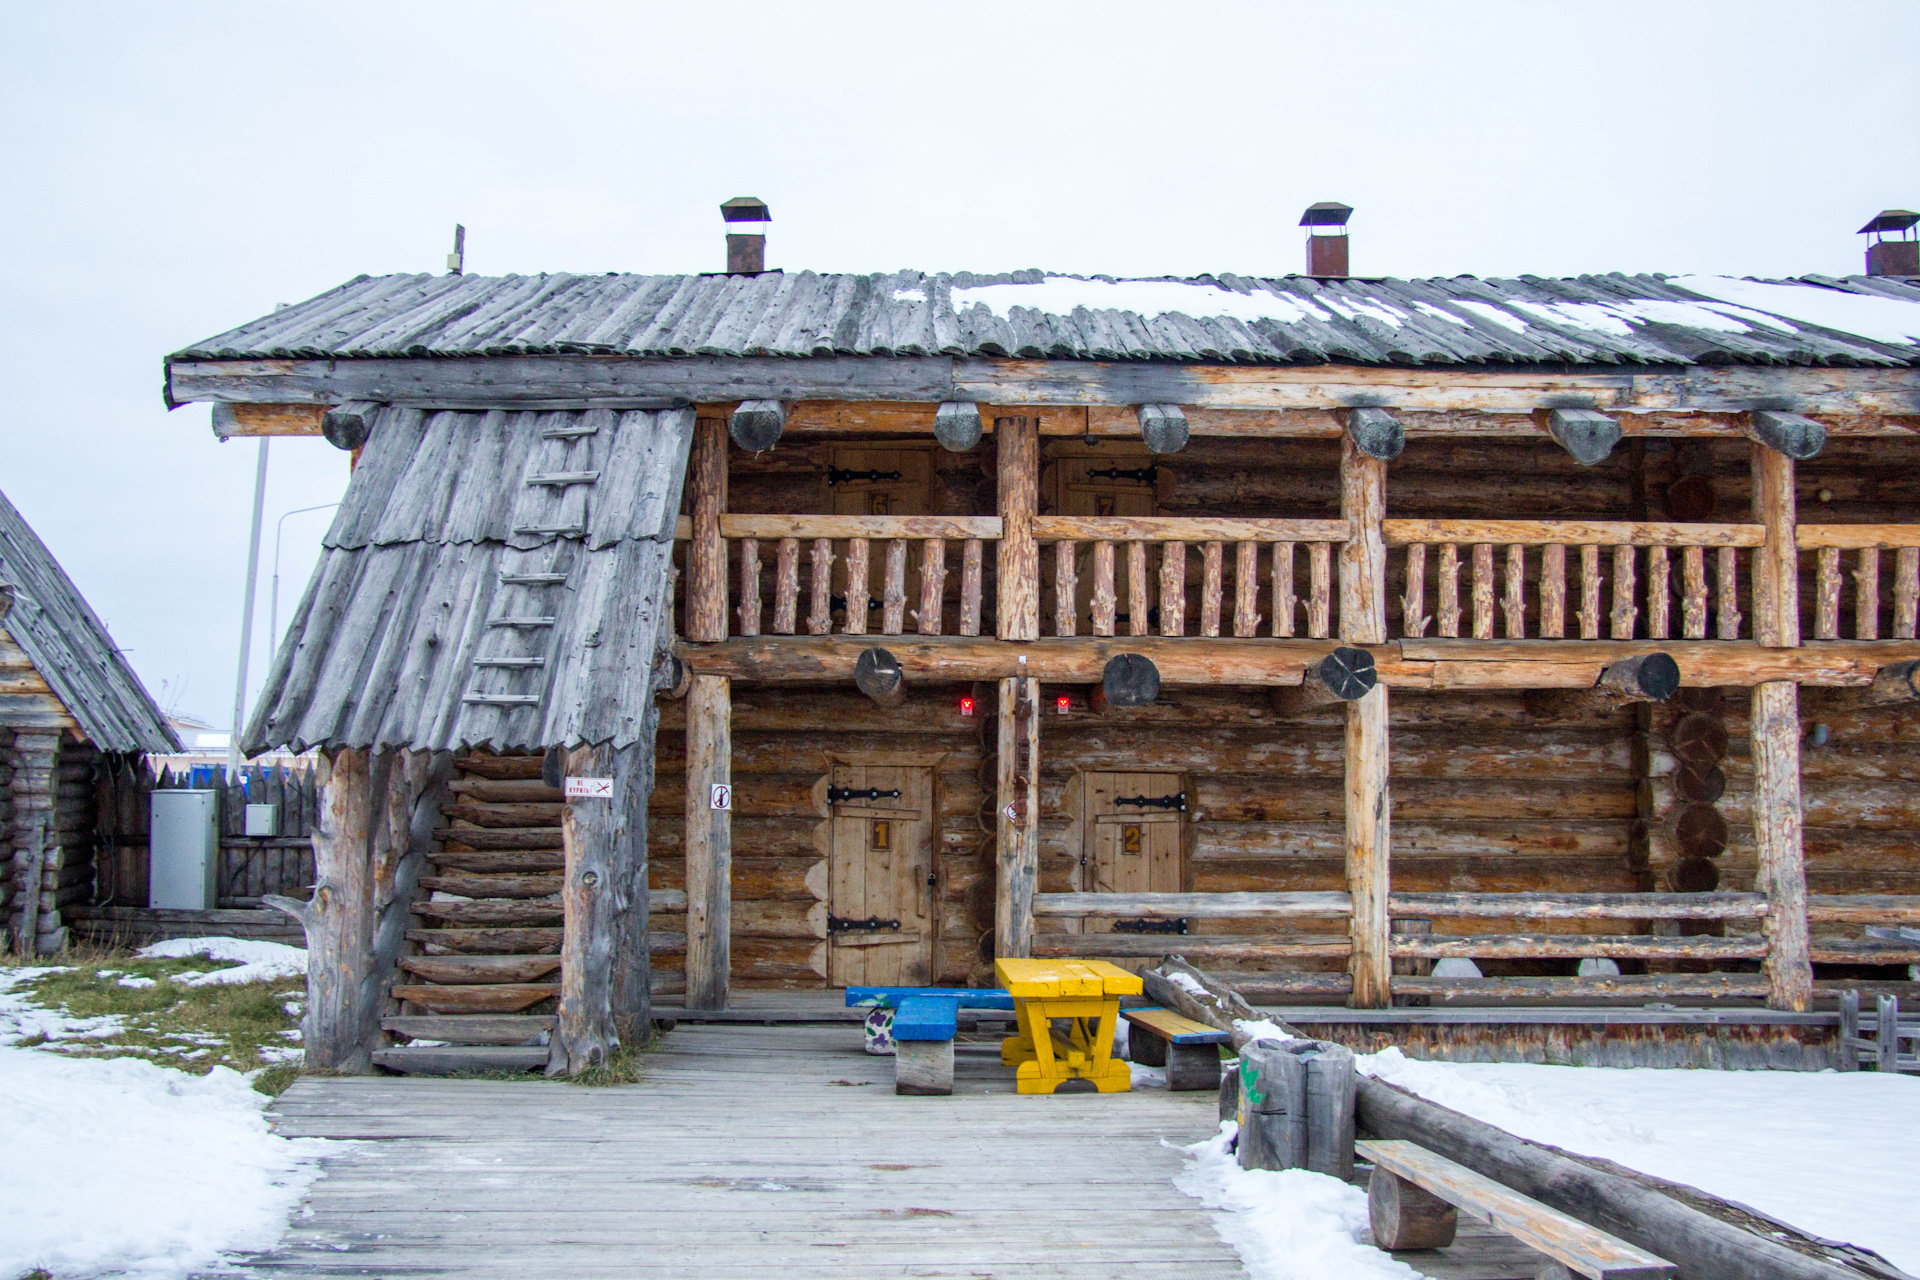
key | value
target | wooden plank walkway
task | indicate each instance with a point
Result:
(748, 1151)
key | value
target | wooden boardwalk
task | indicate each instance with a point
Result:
(748, 1151)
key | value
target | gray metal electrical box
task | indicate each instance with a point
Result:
(184, 863)
(263, 819)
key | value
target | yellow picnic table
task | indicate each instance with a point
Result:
(1084, 993)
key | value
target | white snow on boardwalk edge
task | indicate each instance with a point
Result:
(1830, 1153)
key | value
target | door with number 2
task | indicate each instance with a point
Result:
(1132, 839)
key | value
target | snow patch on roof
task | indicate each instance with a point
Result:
(909, 295)
(1062, 295)
(1358, 308)
(1498, 315)
(1877, 318)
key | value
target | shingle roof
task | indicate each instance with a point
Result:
(70, 648)
(1643, 319)
(491, 579)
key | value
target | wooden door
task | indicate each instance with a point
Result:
(1131, 844)
(880, 867)
(1116, 478)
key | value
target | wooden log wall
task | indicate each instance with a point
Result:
(785, 743)
(51, 819)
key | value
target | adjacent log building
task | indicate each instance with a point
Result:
(73, 717)
(1317, 628)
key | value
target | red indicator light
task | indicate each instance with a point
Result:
(966, 706)
(1063, 703)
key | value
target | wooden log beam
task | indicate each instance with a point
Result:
(1163, 427)
(878, 675)
(1128, 680)
(1017, 588)
(1863, 908)
(1894, 683)
(587, 380)
(755, 425)
(957, 425)
(1344, 675)
(1368, 841)
(1788, 434)
(1581, 906)
(348, 426)
(1774, 740)
(706, 610)
(708, 842)
(1570, 945)
(1376, 433)
(1210, 947)
(1017, 822)
(231, 419)
(1587, 434)
(1647, 677)
(1195, 906)
(1614, 533)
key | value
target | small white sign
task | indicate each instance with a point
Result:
(721, 797)
(1012, 811)
(589, 788)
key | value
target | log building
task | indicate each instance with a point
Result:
(73, 718)
(1318, 628)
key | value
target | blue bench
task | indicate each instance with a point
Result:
(1188, 1050)
(925, 1020)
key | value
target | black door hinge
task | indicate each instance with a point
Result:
(836, 794)
(836, 924)
(1151, 926)
(1177, 802)
(840, 475)
(1145, 475)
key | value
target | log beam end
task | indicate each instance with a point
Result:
(1163, 427)
(1130, 680)
(1787, 433)
(956, 425)
(1587, 434)
(1376, 433)
(877, 674)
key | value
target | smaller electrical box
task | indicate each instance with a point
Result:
(263, 819)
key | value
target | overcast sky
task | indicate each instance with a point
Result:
(175, 170)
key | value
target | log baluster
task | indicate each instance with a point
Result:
(1553, 592)
(859, 586)
(1320, 584)
(1866, 594)
(1514, 604)
(820, 604)
(1173, 588)
(1826, 593)
(893, 601)
(1906, 592)
(749, 606)
(1589, 593)
(1246, 589)
(1659, 594)
(1103, 593)
(933, 586)
(1449, 590)
(1413, 602)
(1285, 602)
(786, 585)
(1693, 593)
(970, 562)
(1626, 614)
(1066, 587)
(1727, 587)
(1483, 591)
(1212, 587)
(1137, 605)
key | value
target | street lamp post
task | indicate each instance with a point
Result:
(273, 604)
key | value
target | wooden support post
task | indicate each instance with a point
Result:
(339, 919)
(1776, 573)
(1775, 746)
(584, 1033)
(1363, 557)
(1017, 593)
(1369, 817)
(707, 551)
(1018, 821)
(709, 842)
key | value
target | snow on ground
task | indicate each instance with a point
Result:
(258, 961)
(127, 1167)
(1286, 1225)
(21, 1019)
(1829, 1152)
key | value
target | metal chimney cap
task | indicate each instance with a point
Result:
(1890, 220)
(1328, 213)
(746, 209)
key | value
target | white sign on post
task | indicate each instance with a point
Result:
(721, 797)
(589, 788)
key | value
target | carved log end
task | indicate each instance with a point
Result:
(1587, 434)
(1130, 680)
(1376, 433)
(956, 425)
(877, 674)
(1163, 427)
(756, 425)
(347, 426)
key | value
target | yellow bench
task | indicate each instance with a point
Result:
(1085, 994)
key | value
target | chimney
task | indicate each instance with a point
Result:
(1326, 252)
(1899, 256)
(747, 218)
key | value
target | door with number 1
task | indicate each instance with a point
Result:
(880, 913)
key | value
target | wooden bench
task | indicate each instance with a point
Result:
(1187, 1049)
(1414, 1197)
(925, 1020)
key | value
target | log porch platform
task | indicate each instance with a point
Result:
(749, 1148)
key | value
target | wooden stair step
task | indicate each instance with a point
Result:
(453, 1060)
(498, 767)
(503, 911)
(495, 886)
(484, 839)
(490, 942)
(510, 814)
(469, 970)
(520, 860)
(471, 1028)
(500, 997)
(515, 790)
